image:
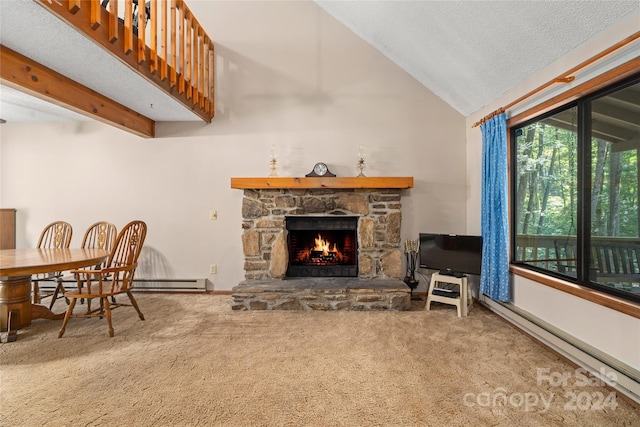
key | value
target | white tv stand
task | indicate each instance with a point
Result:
(461, 299)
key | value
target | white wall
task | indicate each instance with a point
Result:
(288, 75)
(614, 333)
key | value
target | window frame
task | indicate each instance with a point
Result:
(581, 97)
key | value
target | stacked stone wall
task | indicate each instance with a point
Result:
(264, 240)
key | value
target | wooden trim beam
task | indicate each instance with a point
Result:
(26, 75)
(322, 182)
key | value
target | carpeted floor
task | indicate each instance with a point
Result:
(194, 362)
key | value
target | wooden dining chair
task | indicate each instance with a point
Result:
(115, 278)
(101, 235)
(56, 235)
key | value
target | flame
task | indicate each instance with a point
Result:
(324, 246)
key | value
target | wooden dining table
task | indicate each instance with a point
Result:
(16, 268)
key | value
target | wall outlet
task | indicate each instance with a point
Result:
(213, 215)
(213, 269)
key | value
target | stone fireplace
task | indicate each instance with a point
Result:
(356, 219)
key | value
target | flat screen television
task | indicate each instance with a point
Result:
(452, 254)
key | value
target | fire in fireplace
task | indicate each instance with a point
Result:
(323, 246)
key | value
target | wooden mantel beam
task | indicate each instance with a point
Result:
(24, 74)
(322, 182)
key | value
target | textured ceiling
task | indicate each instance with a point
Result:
(471, 52)
(466, 52)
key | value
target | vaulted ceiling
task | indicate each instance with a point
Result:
(466, 52)
(471, 52)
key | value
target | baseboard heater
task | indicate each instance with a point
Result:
(158, 285)
(179, 285)
(577, 351)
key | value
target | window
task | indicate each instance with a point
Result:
(574, 197)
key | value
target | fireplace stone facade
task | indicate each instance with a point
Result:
(264, 240)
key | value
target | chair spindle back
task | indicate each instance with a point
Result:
(127, 249)
(56, 235)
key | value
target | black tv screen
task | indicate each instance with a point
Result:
(451, 253)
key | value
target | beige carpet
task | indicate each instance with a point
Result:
(194, 362)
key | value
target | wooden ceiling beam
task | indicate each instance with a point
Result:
(26, 75)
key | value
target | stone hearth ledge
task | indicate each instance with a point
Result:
(325, 294)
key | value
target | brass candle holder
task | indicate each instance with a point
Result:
(273, 163)
(361, 164)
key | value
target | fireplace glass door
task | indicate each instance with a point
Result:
(324, 246)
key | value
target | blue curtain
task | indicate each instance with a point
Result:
(494, 278)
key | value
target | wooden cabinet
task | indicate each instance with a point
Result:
(7, 228)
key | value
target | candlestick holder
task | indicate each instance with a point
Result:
(361, 163)
(361, 166)
(273, 163)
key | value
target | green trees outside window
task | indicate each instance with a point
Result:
(575, 175)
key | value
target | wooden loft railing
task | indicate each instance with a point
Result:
(171, 50)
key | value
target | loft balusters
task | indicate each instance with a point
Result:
(135, 14)
(163, 41)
